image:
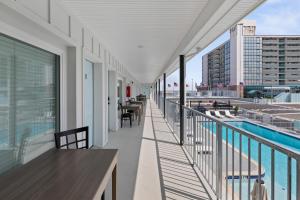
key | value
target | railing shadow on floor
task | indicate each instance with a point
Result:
(177, 176)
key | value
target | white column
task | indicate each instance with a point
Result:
(113, 104)
(72, 62)
(79, 87)
(100, 105)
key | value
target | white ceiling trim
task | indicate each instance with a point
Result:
(149, 35)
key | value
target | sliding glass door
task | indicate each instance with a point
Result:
(28, 97)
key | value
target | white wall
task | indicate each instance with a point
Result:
(236, 52)
(146, 89)
(47, 25)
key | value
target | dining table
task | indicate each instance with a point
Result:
(62, 175)
(136, 109)
(141, 103)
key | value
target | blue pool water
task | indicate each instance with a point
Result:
(283, 139)
(33, 129)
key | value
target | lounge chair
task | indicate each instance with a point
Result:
(208, 113)
(218, 115)
(227, 114)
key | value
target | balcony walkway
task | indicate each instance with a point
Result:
(152, 165)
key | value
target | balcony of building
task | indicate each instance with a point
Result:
(152, 165)
(69, 67)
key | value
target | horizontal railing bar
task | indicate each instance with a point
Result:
(277, 147)
(173, 102)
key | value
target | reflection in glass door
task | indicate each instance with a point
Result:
(29, 109)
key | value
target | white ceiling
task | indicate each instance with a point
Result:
(164, 28)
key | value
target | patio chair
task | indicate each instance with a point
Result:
(208, 113)
(218, 115)
(130, 111)
(227, 114)
(125, 116)
(73, 139)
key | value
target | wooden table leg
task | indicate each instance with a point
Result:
(139, 116)
(114, 183)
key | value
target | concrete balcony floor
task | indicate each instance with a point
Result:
(152, 166)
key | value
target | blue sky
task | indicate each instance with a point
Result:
(274, 17)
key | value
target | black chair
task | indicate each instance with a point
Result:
(125, 116)
(131, 111)
(73, 139)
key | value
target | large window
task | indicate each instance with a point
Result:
(252, 61)
(28, 98)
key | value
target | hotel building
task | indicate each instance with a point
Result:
(252, 61)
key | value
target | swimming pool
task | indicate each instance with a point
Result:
(274, 136)
(288, 141)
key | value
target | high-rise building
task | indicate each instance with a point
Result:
(252, 61)
(216, 66)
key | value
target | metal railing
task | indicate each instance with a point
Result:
(172, 116)
(161, 103)
(289, 124)
(232, 160)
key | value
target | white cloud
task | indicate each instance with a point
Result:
(278, 17)
(273, 2)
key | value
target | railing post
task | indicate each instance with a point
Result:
(298, 179)
(165, 88)
(156, 92)
(194, 137)
(158, 102)
(181, 96)
(219, 159)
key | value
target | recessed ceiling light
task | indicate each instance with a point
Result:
(140, 46)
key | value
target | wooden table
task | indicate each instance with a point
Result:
(62, 174)
(134, 108)
(141, 103)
